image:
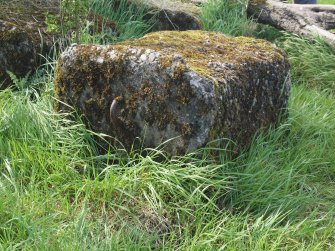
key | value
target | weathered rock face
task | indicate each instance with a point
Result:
(23, 37)
(174, 14)
(194, 85)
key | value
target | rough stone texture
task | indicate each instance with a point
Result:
(174, 14)
(23, 37)
(193, 85)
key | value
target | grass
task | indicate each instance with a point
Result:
(314, 63)
(58, 192)
(228, 17)
(130, 21)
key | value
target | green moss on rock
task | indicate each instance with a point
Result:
(199, 48)
(197, 86)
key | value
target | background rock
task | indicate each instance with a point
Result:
(194, 85)
(23, 37)
(174, 14)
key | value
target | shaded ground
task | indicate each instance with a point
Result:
(24, 36)
(27, 13)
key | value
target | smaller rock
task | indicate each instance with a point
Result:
(23, 37)
(174, 14)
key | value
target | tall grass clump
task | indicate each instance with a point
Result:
(228, 17)
(58, 192)
(313, 62)
(103, 21)
(281, 169)
(33, 135)
(131, 20)
(39, 149)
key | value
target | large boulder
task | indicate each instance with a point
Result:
(193, 86)
(23, 37)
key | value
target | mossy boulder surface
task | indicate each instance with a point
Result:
(23, 36)
(194, 86)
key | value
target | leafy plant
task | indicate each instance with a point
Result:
(70, 17)
(19, 83)
(102, 21)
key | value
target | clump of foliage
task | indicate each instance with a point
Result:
(104, 21)
(313, 62)
(70, 17)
